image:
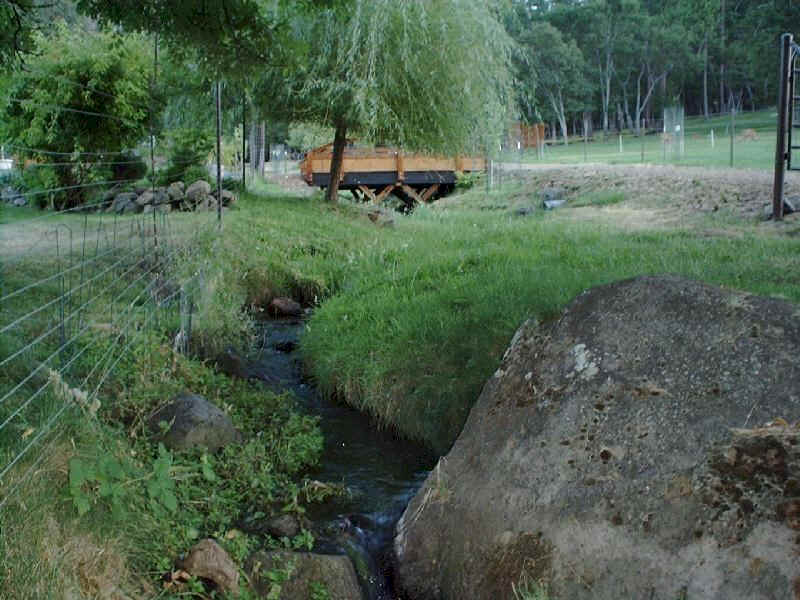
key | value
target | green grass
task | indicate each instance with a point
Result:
(413, 338)
(409, 322)
(102, 487)
(698, 152)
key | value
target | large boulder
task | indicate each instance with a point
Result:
(198, 191)
(329, 576)
(621, 452)
(191, 420)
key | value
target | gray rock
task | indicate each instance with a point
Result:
(232, 364)
(140, 189)
(283, 526)
(191, 421)
(551, 204)
(206, 203)
(161, 196)
(208, 560)
(524, 211)
(285, 307)
(618, 453)
(132, 207)
(228, 197)
(19, 201)
(145, 198)
(10, 195)
(198, 191)
(549, 194)
(123, 200)
(175, 191)
(334, 574)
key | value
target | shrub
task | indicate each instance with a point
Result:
(188, 151)
(111, 73)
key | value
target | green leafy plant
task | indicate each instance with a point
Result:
(318, 591)
(466, 181)
(188, 151)
(111, 73)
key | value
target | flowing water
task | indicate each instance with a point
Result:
(381, 471)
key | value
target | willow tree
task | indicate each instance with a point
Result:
(429, 75)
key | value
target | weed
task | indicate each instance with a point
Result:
(527, 589)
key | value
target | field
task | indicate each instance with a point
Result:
(754, 145)
(411, 315)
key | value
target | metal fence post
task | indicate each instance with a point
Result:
(219, 154)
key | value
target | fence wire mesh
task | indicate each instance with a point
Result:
(87, 270)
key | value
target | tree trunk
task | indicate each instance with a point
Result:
(722, 61)
(705, 77)
(337, 162)
(263, 153)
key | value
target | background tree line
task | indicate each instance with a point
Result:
(619, 62)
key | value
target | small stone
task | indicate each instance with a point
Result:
(208, 560)
(550, 194)
(334, 573)
(192, 421)
(232, 364)
(145, 198)
(551, 204)
(524, 211)
(285, 307)
(198, 191)
(283, 526)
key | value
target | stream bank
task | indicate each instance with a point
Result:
(381, 471)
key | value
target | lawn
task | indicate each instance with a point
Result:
(754, 149)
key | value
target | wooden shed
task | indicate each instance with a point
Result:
(373, 173)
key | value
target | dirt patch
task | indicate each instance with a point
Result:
(655, 194)
(291, 182)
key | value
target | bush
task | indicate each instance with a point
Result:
(466, 181)
(36, 180)
(131, 167)
(188, 152)
(111, 73)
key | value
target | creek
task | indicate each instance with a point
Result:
(381, 471)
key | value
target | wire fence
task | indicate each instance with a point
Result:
(734, 139)
(87, 270)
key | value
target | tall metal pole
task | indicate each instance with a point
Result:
(153, 138)
(783, 122)
(219, 154)
(733, 128)
(244, 137)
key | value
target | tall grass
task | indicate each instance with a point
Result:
(413, 336)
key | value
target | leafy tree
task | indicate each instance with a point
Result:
(229, 38)
(425, 75)
(559, 70)
(83, 98)
(16, 29)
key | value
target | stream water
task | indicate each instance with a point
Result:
(381, 471)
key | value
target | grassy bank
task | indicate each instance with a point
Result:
(97, 508)
(410, 320)
(414, 337)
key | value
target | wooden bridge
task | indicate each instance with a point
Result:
(372, 174)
